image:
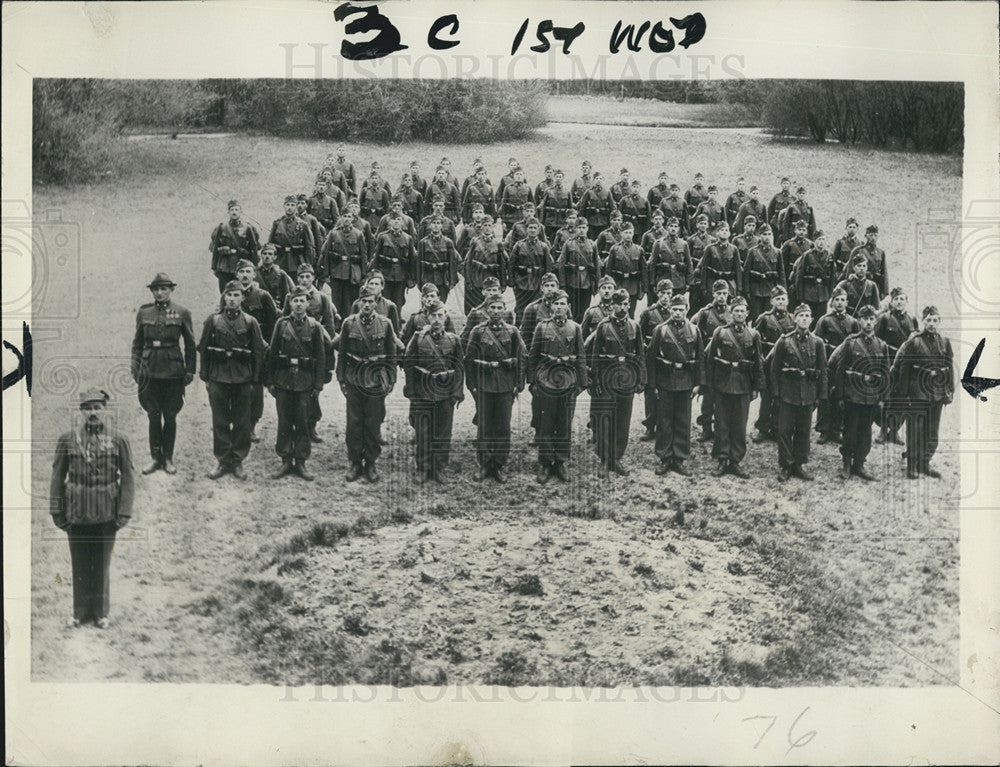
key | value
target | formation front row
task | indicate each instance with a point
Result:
(671, 360)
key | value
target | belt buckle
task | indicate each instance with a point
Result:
(156, 344)
(293, 361)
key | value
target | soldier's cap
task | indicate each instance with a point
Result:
(303, 197)
(738, 301)
(628, 226)
(560, 294)
(616, 214)
(699, 175)
(345, 221)
(477, 163)
(749, 217)
(437, 199)
(511, 159)
(232, 204)
(636, 182)
(571, 214)
(664, 284)
(161, 280)
(819, 233)
(872, 229)
(700, 217)
(802, 308)
(778, 290)
(414, 164)
(740, 179)
(517, 169)
(838, 291)
(785, 179)
(267, 247)
(486, 221)
(478, 206)
(428, 288)
(94, 395)
(800, 190)
(491, 282)
(548, 277)
(397, 198)
(437, 219)
(597, 175)
(929, 310)
(559, 172)
(858, 260)
(586, 163)
(721, 225)
(374, 274)
(528, 205)
(548, 168)
(434, 306)
(801, 224)
(533, 222)
(366, 292)
(623, 171)
(234, 286)
(244, 263)
(298, 291)
(678, 300)
(753, 187)
(675, 186)
(376, 164)
(497, 299)
(582, 221)
(303, 268)
(865, 311)
(658, 214)
(851, 220)
(720, 285)
(607, 279)
(620, 296)
(764, 228)
(395, 216)
(713, 188)
(405, 177)
(663, 174)
(290, 198)
(896, 291)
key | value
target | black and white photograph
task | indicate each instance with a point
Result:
(586, 382)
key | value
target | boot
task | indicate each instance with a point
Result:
(481, 473)
(824, 439)
(435, 475)
(152, 467)
(784, 473)
(559, 471)
(706, 435)
(620, 469)
(801, 473)
(498, 474)
(314, 435)
(721, 469)
(737, 471)
(934, 473)
(287, 467)
(759, 437)
(300, 469)
(542, 473)
(663, 469)
(371, 473)
(238, 471)
(859, 471)
(254, 436)
(168, 466)
(681, 468)
(649, 436)
(845, 470)
(912, 474)
(353, 473)
(220, 471)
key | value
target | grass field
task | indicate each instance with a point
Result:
(649, 113)
(644, 581)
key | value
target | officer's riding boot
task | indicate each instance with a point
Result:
(371, 473)
(497, 472)
(926, 469)
(434, 473)
(300, 469)
(219, 471)
(287, 467)
(354, 472)
(238, 471)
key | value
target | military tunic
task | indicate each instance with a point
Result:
(799, 377)
(923, 379)
(617, 372)
(435, 375)
(733, 369)
(860, 368)
(229, 244)
(294, 243)
(579, 271)
(674, 368)
(557, 372)
(295, 368)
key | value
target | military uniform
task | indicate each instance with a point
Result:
(763, 270)
(413, 202)
(366, 371)
(877, 269)
(733, 369)
(481, 193)
(495, 368)
(860, 293)
(596, 207)
(812, 280)
(486, 258)
(384, 308)
(477, 316)
(437, 263)
(791, 251)
(842, 251)
(694, 197)
(778, 203)
(580, 185)
(518, 232)
(674, 207)
(321, 309)
(711, 209)
(90, 497)
(721, 261)
(261, 306)
(276, 282)
(635, 210)
(653, 315)
(697, 244)
(325, 209)
(232, 358)
(579, 271)
(295, 369)
(606, 240)
(162, 371)
(626, 266)
(657, 194)
(350, 178)
(552, 208)
(799, 211)
(395, 255)
(617, 372)
(318, 235)
(418, 321)
(799, 377)
(452, 200)
(771, 325)
(753, 208)
(447, 227)
(708, 319)
(860, 368)
(732, 206)
(894, 328)
(674, 367)
(832, 329)
(557, 372)
(435, 371)
(343, 262)
(230, 244)
(511, 202)
(409, 225)
(529, 260)
(294, 242)
(670, 259)
(374, 202)
(923, 381)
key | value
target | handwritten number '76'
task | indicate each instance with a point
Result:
(798, 742)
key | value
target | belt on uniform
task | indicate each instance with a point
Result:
(802, 372)
(763, 275)
(677, 365)
(866, 377)
(162, 344)
(235, 351)
(293, 362)
(933, 369)
(718, 272)
(817, 280)
(369, 358)
(733, 364)
(78, 483)
(434, 265)
(380, 257)
(488, 267)
(623, 274)
(342, 257)
(524, 268)
(508, 362)
(616, 357)
(555, 358)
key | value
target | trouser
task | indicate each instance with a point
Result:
(707, 408)
(649, 399)
(256, 404)
(673, 425)
(550, 235)
(768, 413)
(857, 440)
(231, 418)
(224, 279)
(344, 293)
(793, 434)
(579, 302)
(891, 418)
(521, 299)
(757, 305)
(162, 399)
(493, 429)
(696, 296)
(315, 411)
(830, 417)
(293, 424)
(922, 422)
(365, 414)
(731, 412)
(473, 296)
(632, 301)
(395, 292)
(555, 419)
(90, 548)
(612, 415)
(432, 420)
